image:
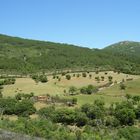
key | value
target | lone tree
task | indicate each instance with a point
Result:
(84, 74)
(43, 78)
(68, 77)
(72, 90)
(97, 78)
(102, 78)
(122, 86)
(110, 78)
(90, 76)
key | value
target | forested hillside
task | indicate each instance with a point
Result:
(23, 55)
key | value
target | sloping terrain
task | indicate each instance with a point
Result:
(24, 55)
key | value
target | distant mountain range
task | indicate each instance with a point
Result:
(27, 56)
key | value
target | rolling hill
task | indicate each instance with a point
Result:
(24, 55)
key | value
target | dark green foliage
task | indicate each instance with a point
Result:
(129, 133)
(137, 112)
(1, 95)
(63, 73)
(8, 105)
(41, 78)
(110, 78)
(1, 87)
(78, 75)
(47, 112)
(7, 81)
(74, 101)
(28, 56)
(80, 118)
(21, 96)
(126, 116)
(97, 78)
(102, 78)
(84, 74)
(68, 77)
(112, 121)
(65, 116)
(89, 89)
(136, 99)
(13, 106)
(24, 108)
(90, 121)
(125, 113)
(72, 90)
(90, 76)
(122, 86)
(95, 111)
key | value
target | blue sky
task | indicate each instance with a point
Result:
(89, 23)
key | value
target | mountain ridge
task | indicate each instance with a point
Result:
(28, 55)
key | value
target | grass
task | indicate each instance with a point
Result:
(53, 87)
(83, 99)
(132, 87)
(111, 94)
(27, 85)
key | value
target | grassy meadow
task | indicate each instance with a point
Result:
(56, 87)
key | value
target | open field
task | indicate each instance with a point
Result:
(111, 94)
(55, 87)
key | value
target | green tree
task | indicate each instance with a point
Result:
(72, 90)
(68, 77)
(84, 74)
(122, 86)
(24, 108)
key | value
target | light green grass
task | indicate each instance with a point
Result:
(111, 94)
(132, 87)
(83, 99)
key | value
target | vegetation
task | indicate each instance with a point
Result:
(28, 56)
(89, 89)
(40, 78)
(88, 121)
(83, 99)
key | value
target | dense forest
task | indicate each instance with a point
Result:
(28, 56)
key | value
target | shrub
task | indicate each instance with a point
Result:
(43, 78)
(84, 74)
(122, 86)
(89, 89)
(72, 90)
(68, 77)
(24, 108)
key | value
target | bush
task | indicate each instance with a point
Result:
(122, 86)
(125, 113)
(80, 118)
(8, 105)
(77, 75)
(43, 78)
(24, 108)
(72, 90)
(68, 77)
(110, 78)
(129, 133)
(84, 74)
(89, 89)
(47, 112)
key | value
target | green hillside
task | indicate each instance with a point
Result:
(24, 55)
(127, 51)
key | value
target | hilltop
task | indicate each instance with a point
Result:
(26, 56)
